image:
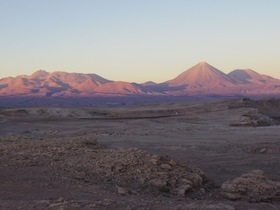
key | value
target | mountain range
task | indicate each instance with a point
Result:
(201, 79)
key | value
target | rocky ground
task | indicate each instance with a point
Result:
(165, 156)
(40, 167)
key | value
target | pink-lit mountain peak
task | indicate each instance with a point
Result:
(76, 77)
(203, 69)
(250, 76)
(247, 74)
(202, 74)
(39, 73)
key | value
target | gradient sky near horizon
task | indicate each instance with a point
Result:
(138, 40)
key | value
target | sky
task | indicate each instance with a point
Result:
(138, 40)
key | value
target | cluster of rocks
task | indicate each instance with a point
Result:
(252, 187)
(127, 171)
(133, 169)
(268, 149)
(258, 119)
(263, 112)
(255, 118)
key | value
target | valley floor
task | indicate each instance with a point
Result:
(49, 156)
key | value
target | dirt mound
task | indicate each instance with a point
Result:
(252, 187)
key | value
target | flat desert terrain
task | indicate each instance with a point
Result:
(157, 156)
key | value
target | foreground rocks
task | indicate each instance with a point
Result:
(76, 172)
(123, 171)
(136, 170)
(252, 187)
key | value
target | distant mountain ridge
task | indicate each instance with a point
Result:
(201, 79)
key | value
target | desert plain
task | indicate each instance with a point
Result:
(155, 156)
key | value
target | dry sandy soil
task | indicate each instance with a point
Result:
(79, 158)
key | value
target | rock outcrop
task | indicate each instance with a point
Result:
(252, 187)
(137, 170)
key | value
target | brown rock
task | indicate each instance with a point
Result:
(122, 191)
(263, 150)
(154, 161)
(195, 179)
(166, 166)
(181, 191)
(172, 163)
(231, 196)
(61, 199)
(158, 182)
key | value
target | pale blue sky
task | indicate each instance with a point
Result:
(138, 40)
